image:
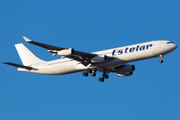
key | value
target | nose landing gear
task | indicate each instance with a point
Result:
(161, 56)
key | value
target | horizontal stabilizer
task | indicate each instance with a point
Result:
(19, 66)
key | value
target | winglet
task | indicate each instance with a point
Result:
(26, 39)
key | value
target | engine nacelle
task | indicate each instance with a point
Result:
(122, 74)
(99, 59)
(66, 52)
(125, 68)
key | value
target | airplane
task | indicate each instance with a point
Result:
(112, 60)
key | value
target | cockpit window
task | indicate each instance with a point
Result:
(169, 42)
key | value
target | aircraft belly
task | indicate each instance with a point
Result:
(57, 69)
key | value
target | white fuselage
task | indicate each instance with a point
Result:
(124, 55)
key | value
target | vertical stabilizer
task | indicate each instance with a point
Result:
(27, 57)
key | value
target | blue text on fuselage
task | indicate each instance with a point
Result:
(132, 49)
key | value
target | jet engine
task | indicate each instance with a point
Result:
(122, 74)
(99, 59)
(66, 52)
(125, 68)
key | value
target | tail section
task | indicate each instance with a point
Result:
(27, 57)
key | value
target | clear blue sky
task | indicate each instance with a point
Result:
(151, 93)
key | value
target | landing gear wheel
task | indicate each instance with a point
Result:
(101, 79)
(105, 76)
(93, 74)
(85, 74)
(161, 61)
(90, 71)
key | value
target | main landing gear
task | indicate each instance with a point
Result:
(104, 76)
(93, 73)
(85, 74)
(161, 57)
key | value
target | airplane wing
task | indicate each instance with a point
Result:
(82, 57)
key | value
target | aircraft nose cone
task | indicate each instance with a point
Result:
(172, 47)
(175, 46)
